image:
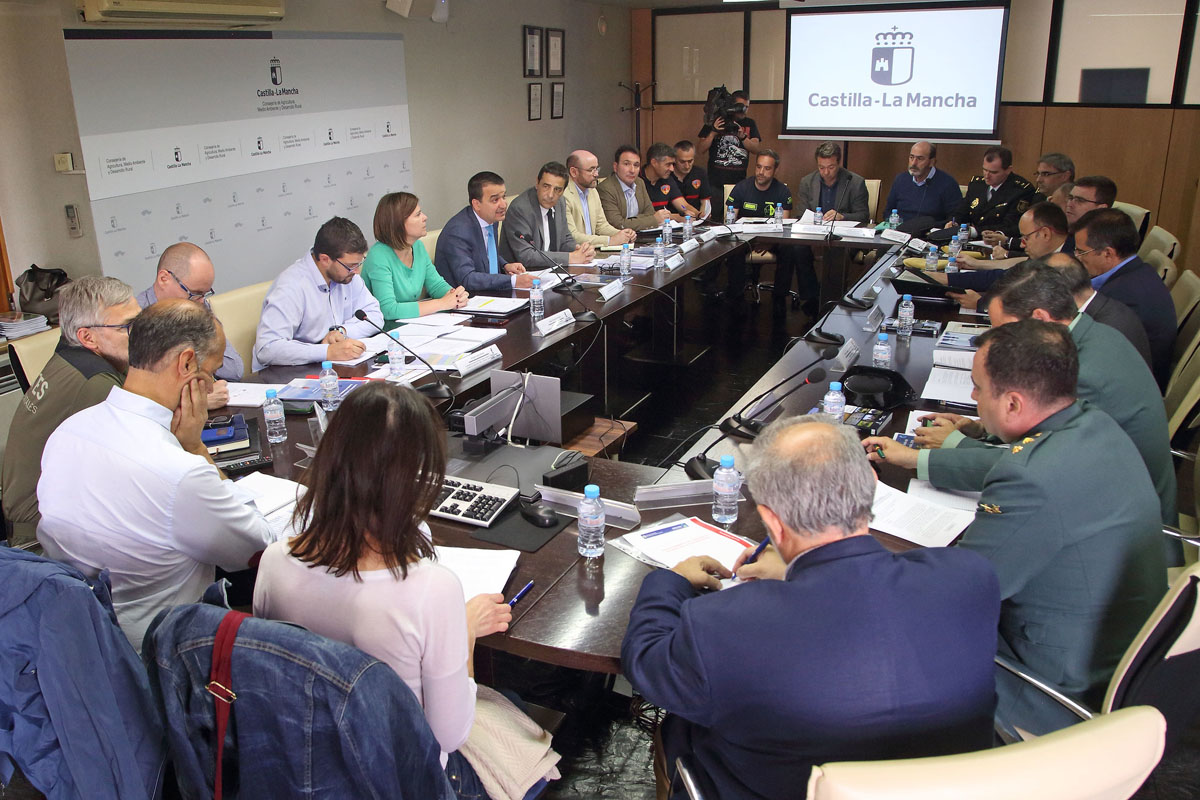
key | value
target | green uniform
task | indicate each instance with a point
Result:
(1113, 378)
(1009, 201)
(73, 379)
(1074, 537)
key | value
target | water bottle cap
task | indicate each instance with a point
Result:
(591, 491)
(625, 246)
(272, 394)
(835, 386)
(893, 211)
(689, 216)
(954, 238)
(908, 298)
(537, 283)
(883, 337)
(395, 335)
(326, 365)
(727, 462)
(658, 240)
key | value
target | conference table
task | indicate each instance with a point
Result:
(576, 613)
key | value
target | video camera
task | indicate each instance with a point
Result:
(720, 104)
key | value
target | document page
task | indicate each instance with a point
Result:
(441, 319)
(670, 543)
(251, 394)
(954, 359)
(916, 520)
(479, 571)
(924, 490)
(949, 385)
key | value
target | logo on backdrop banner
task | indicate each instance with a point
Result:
(276, 72)
(892, 58)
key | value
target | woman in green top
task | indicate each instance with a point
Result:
(398, 266)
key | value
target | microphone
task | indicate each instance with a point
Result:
(817, 334)
(751, 428)
(437, 390)
(828, 354)
(837, 201)
(851, 301)
(568, 285)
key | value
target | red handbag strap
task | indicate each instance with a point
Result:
(220, 683)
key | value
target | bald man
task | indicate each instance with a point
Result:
(585, 216)
(186, 272)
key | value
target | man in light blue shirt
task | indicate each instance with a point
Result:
(308, 314)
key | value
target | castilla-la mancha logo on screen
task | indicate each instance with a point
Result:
(276, 72)
(892, 58)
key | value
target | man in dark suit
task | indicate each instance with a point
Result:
(838, 650)
(1100, 307)
(996, 199)
(468, 252)
(535, 227)
(1106, 243)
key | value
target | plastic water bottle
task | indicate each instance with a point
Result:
(955, 246)
(904, 317)
(894, 219)
(687, 227)
(537, 301)
(626, 261)
(952, 264)
(964, 233)
(591, 523)
(834, 402)
(660, 256)
(817, 215)
(668, 230)
(727, 485)
(730, 213)
(931, 259)
(331, 396)
(777, 217)
(273, 412)
(881, 353)
(396, 355)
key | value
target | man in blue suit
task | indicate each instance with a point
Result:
(839, 650)
(468, 249)
(1106, 243)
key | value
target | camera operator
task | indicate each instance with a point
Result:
(729, 137)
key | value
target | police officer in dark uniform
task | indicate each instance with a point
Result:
(996, 199)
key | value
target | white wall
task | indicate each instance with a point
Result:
(467, 106)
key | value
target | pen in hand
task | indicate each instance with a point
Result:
(757, 552)
(879, 452)
(517, 597)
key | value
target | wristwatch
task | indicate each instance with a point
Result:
(339, 328)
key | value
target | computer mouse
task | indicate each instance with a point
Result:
(539, 515)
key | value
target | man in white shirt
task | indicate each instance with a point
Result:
(128, 486)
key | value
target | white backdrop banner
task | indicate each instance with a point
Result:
(242, 143)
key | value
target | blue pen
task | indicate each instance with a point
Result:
(757, 551)
(517, 597)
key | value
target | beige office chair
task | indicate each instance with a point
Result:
(430, 241)
(29, 355)
(873, 185)
(1186, 345)
(1159, 667)
(1183, 393)
(1107, 758)
(1164, 266)
(1185, 294)
(1139, 215)
(1159, 239)
(239, 311)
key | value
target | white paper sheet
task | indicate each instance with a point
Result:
(949, 385)
(440, 320)
(494, 305)
(476, 336)
(374, 346)
(479, 571)
(924, 490)
(269, 492)
(914, 419)
(916, 520)
(955, 359)
(673, 542)
(251, 395)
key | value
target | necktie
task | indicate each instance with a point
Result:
(631, 207)
(990, 190)
(493, 261)
(553, 230)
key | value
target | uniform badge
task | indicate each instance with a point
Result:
(666, 189)
(696, 183)
(1027, 440)
(989, 508)
(975, 202)
(1017, 448)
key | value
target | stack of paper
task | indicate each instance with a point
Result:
(954, 359)
(949, 386)
(479, 571)
(924, 490)
(476, 336)
(669, 543)
(548, 277)
(440, 320)
(961, 335)
(275, 498)
(916, 520)
(251, 394)
(374, 346)
(15, 324)
(499, 306)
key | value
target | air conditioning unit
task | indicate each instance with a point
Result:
(231, 11)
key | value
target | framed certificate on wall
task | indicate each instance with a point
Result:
(557, 92)
(554, 52)
(535, 101)
(531, 42)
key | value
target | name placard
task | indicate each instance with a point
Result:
(919, 245)
(610, 290)
(894, 235)
(469, 362)
(552, 323)
(689, 246)
(673, 262)
(709, 235)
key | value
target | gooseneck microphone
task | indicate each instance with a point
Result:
(751, 428)
(437, 390)
(817, 335)
(568, 285)
(828, 354)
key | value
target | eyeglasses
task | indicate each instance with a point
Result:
(1025, 236)
(1079, 253)
(350, 267)
(1041, 173)
(191, 295)
(124, 326)
(1074, 198)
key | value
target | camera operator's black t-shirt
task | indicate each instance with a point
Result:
(727, 158)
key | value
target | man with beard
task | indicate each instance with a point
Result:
(585, 215)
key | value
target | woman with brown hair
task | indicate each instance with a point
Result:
(361, 571)
(398, 266)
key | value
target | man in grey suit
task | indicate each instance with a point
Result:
(535, 228)
(1067, 517)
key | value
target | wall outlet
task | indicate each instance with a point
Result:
(63, 162)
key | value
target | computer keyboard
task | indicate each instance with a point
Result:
(472, 502)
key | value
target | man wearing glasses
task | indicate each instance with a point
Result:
(91, 358)
(585, 215)
(186, 272)
(308, 314)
